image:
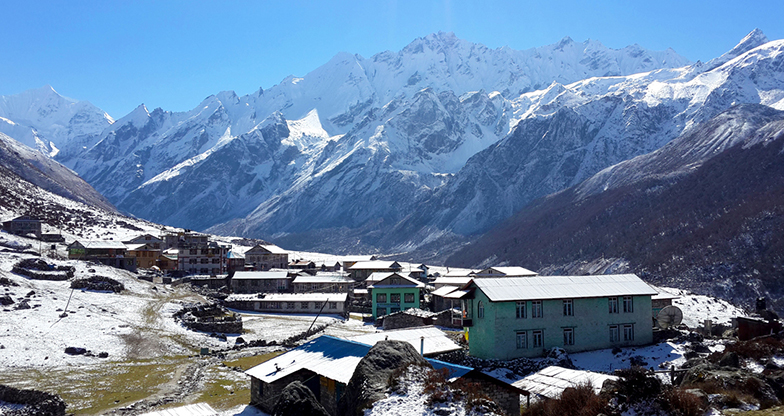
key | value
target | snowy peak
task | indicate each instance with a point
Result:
(754, 39)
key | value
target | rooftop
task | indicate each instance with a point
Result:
(551, 381)
(289, 297)
(259, 275)
(436, 341)
(560, 287)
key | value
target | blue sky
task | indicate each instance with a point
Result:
(172, 54)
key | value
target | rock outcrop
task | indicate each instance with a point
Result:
(370, 380)
(297, 400)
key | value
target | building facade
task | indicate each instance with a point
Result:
(265, 257)
(525, 317)
(395, 293)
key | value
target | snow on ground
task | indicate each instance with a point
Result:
(697, 308)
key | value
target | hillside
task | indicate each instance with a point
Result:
(700, 213)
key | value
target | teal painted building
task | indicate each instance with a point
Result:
(395, 293)
(515, 317)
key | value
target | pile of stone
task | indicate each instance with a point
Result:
(39, 269)
(210, 318)
(101, 283)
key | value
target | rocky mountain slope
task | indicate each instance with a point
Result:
(38, 170)
(357, 139)
(699, 213)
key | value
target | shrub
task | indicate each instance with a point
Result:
(682, 403)
(577, 401)
(637, 384)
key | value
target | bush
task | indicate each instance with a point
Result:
(754, 348)
(637, 384)
(682, 403)
(577, 401)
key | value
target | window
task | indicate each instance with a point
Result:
(522, 340)
(615, 335)
(290, 305)
(568, 336)
(191, 261)
(333, 305)
(192, 251)
(536, 309)
(303, 305)
(613, 302)
(480, 310)
(628, 332)
(394, 298)
(520, 310)
(394, 281)
(381, 311)
(409, 298)
(381, 298)
(205, 261)
(568, 306)
(537, 336)
(317, 305)
(627, 304)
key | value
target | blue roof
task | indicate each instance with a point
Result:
(455, 371)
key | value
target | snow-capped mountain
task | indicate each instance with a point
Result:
(566, 133)
(699, 213)
(355, 142)
(43, 119)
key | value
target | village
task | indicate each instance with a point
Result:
(496, 314)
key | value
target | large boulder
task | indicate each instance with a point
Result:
(32, 402)
(297, 400)
(371, 377)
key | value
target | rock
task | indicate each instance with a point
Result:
(30, 293)
(103, 354)
(6, 300)
(730, 359)
(701, 395)
(35, 402)
(700, 347)
(239, 340)
(297, 400)
(75, 351)
(23, 304)
(371, 376)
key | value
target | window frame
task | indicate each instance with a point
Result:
(615, 334)
(408, 296)
(480, 310)
(521, 339)
(568, 334)
(628, 332)
(537, 309)
(520, 309)
(381, 298)
(628, 304)
(537, 338)
(394, 298)
(612, 303)
(568, 307)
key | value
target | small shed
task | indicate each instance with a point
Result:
(551, 381)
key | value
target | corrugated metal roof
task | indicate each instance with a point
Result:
(443, 290)
(270, 248)
(375, 265)
(103, 244)
(561, 287)
(259, 275)
(510, 271)
(455, 371)
(291, 297)
(198, 409)
(327, 356)
(323, 279)
(436, 341)
(457, 294)
(378, 276)
(455, 281)
(409, 282)
(551, 381)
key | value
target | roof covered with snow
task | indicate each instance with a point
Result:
(559, 287)
(405, 281)
(444, 290)
(551, 381)
(333, 278)
(289, 297)
(375, 265)
(270, 248)
(454, 281)
(326, 356)
(101, 244)
(506, 271)
(436, 340)
(259, 275)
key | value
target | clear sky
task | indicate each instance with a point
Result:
(172, 54)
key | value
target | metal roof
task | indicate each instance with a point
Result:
(102, 244)
(560, 287)
(456, 281)
(259, 275)
(436, 341)
(443, 290)
(378, 276)
(326, 356)
(270, 248)
(323, 279)
(551, 381)
(510, 271)
(375, 265)
(290, 297)
(410, 282)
